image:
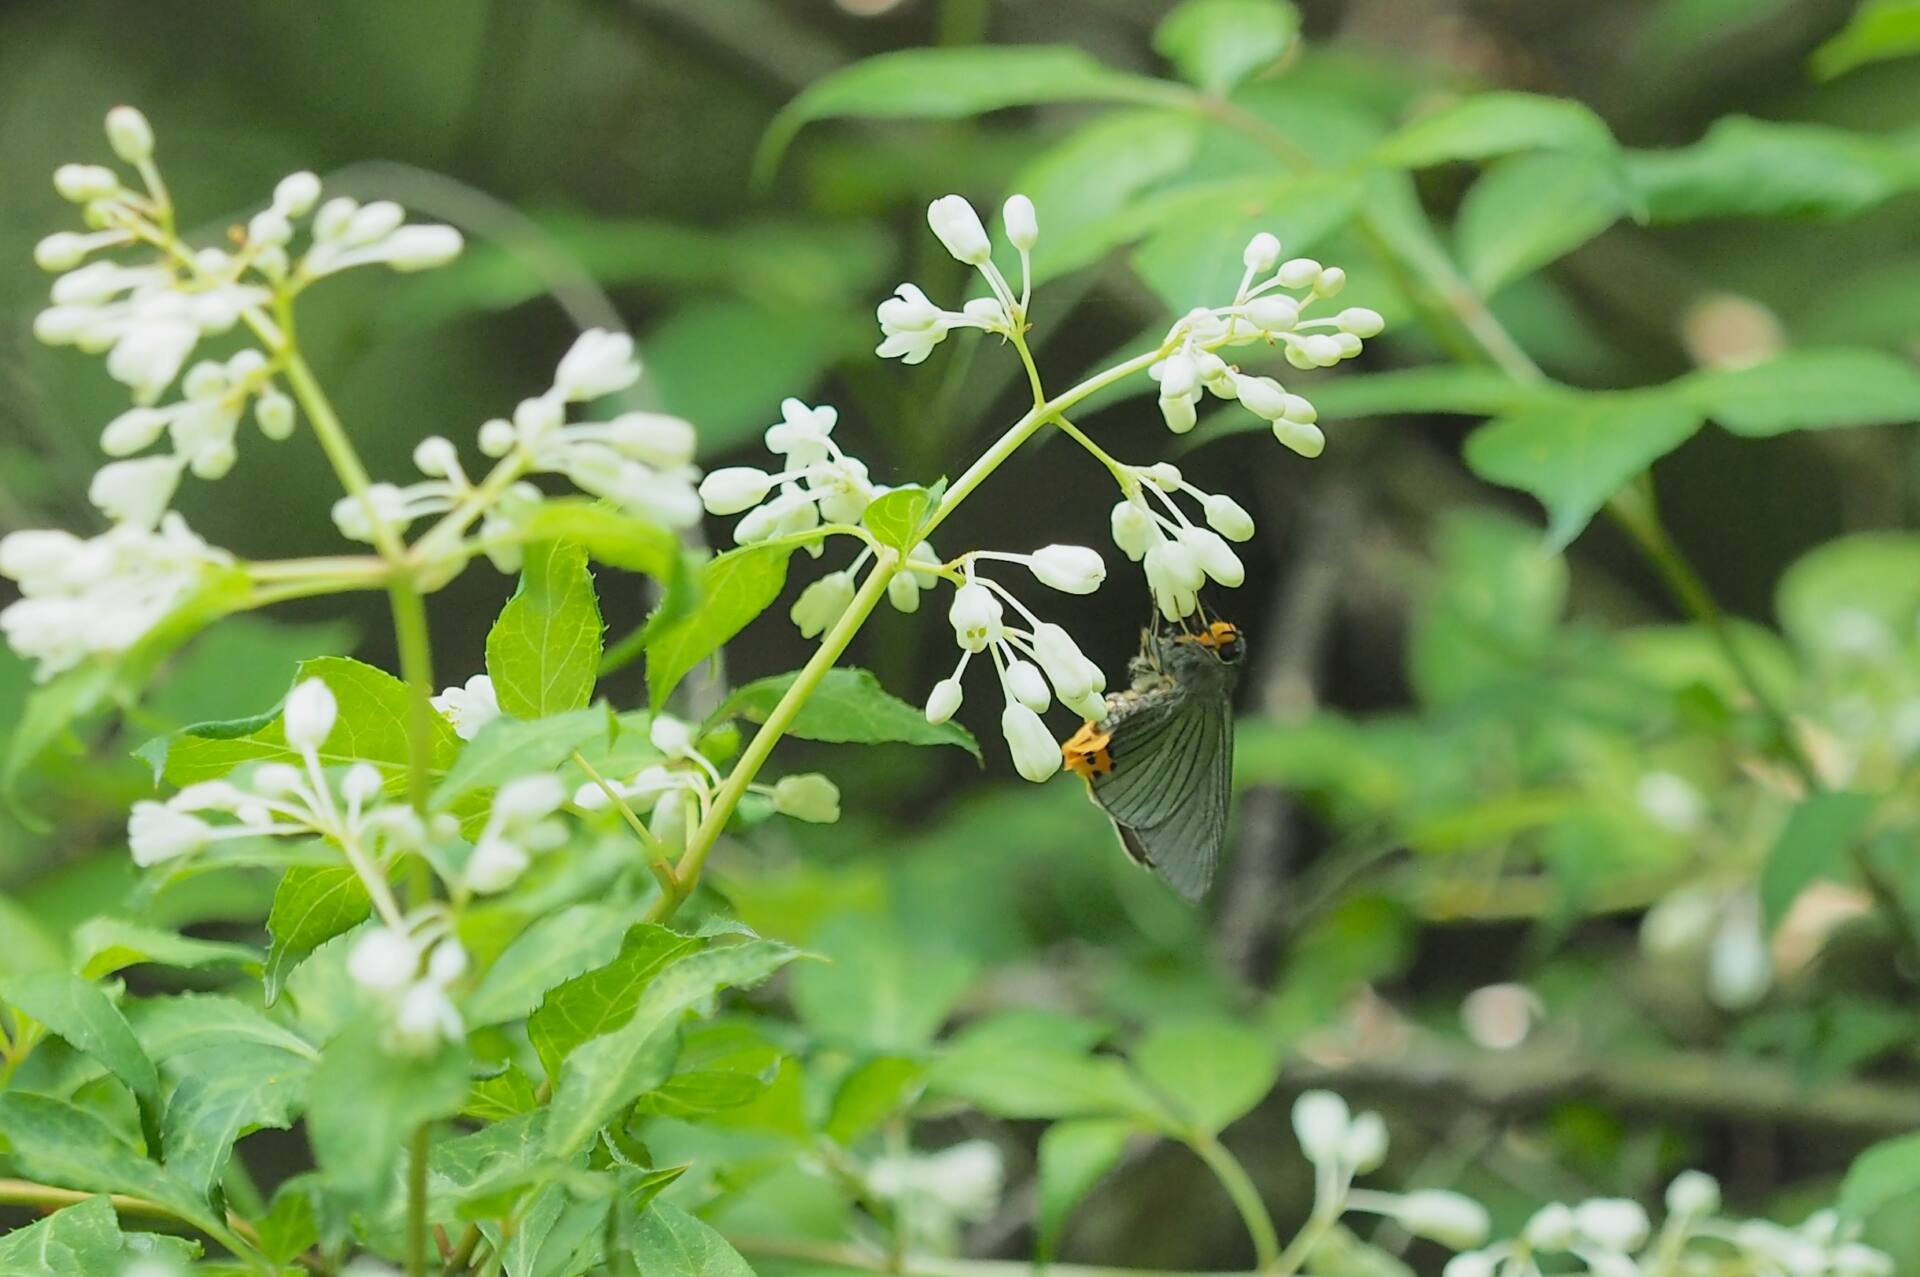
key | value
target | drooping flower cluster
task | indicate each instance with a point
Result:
(1179, 555)
(149, 316)
(100, 596)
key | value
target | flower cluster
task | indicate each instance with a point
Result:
(149, 316)
(1342, 1145)
(408, 970)
(1179, 556)
(819, 482)
(912, 325)
(100, 596)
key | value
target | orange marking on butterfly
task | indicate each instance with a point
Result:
(1217, 635)
(1087, 753)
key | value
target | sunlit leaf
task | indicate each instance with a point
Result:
(312, 905)
(1484, 125)
(1814, 845)
(1809, 390)
(735, 587)
(1215, 44)
(1210, 1070)
(1761, 168)
(506, 748)
(102, 946)
(1879, 30)
(543, 652)
(1529, 210)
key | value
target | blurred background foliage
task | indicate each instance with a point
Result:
(1470, 763)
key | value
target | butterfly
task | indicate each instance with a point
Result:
(1161, 763)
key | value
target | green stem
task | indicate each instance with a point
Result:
(1304, 1242)
(335, 443)
(234, 1235)
(1246, 1198)
(417, 1202)
(662, 866)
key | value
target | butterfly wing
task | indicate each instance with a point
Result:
(1170, 785)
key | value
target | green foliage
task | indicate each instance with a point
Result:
(543, 653)
(735, 587)
(1215, 44)
(849, 707)
(1878, 30)
(311, 906)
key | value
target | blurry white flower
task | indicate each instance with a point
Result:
(308, 715)
(1321, 1121)
(1693, 1193)
(810, 797)
(519, 826)
(821, 605)
(469, 707)
(598, 363)
(1739, 963)
(1449, 1218)
(1614, 1222)
(1669, 801)
(964, 1179)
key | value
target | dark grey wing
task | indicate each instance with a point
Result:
(1170, 788)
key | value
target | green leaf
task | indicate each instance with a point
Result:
(1440, 388)
(1855, 594)
(75, 1010)
(1489, 614)
(1881, 1176)
(1215, 44)
(879, 989)
(604, 1075)
(83, 1240)
(953, 83)
(102, 946)
(190, 1022)
(1879, 30)
(735, 587)
(601, 1000)
(1074, 1156)
(1081, 185)
(1489, 124)
(1759, 168)
(1028, 1065)
(606, 532)
(1211, 1070)
(1574, 455)
(226, 1092)
(872, 1093)
(554, 949)
(362, 1103)
(1819, 832)
(1808, 390)
(506, 748)
(1529, 210)
(289, 1227)
(374, 711)
(312, 905)
(848, 707)
(1193, 256)
(59, 1144)
(668, 1240)
(543, 652)
(896, 517)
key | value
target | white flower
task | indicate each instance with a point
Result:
(1693, 1194)
(964, 1179)
(1036, 755)
(383, 960)
(1262, 251)
(821, 605)
(598, 363)
(959, 230)
(903, 591)
(157, 832)
(135, 492)
(1022, 224)
(1073, 676)
(670, 736)
(518, 827)
(1298, 272)
(810, 797)
(1227, 517)
(1670, 802)
(469, 707)
(1174, 576)
(1132, 529)
(1321, 1121)
(976, 617)
(1360, 321)
(308, 716)
(1472, 1263)
(129, 134)
(944, 700)
(1551, 1228)
(1215, 557)
(1739, 963)
(1448, 1218)
(911, 325)
(1301, 437)
(1071, 569)
(801, 434)
(1026, 684)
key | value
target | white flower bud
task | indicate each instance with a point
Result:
(1300, 410)
(1551, 1228)
(1321, 1122)
(988, 312)
(1073, 675)
(60, 251)
(669, 820)
(975, 615)
(84, 183)
(1071, 569)
(943, 701)
(383, 960)
(1263, 396)
(1611, 1263)
(1332, 279)
(1360, 321)
(1179, 414)
(296, 194)
(1179, 377)
(129, 134)
(1023, 227)
(1215, 556)
(1261, 252)
(1449, 1218)
(157, 833)
(308, 715)
(1857, 1260)
(1614, 1222)
(447, 962)
(1163, 475)
(1227, 517)
(1274, 313)
(958, 228)
(361, 784)
(1132, 529)
(423, 1020)
(670, 736)
(269, 229)
(810, 797)
(1472, 1263)
(134, 430)
(1175, 577)
(822, 603)
(655, 438)
(136, 491)
(498, 437)
(334, 217)
(599, 363)
(1028, 686)
(1739, 964)
(526, 799)
(1036, 755)
(1300, 437)
(1693, 1194)
(1299, 272)
(414, 248)
(1325, 351)
(731, 489)
(436, 457)
(1347, 344)
(1365, 1148)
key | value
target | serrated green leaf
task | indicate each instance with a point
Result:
(735, 587)
(848, 707)
(1529, 210)
(374, 710)
(1074, 1156)
(895, 517)
(604, 1075)
(668, 1240)
(1215, 44)
(1814, 844)
(75, 1010)
(1808, 390)
(601, 1000)
(312, 905)
(543, 652)
(506, 748)
(189, 1022)
(1878, 30)
(495, 1099)
(953, 83)
(1488, 124)
(225, 1093)
(1576, 454)
(57, 1143)
(362, 1102)
(102, 946)
(1213, 1071)
(556, 948)
(83, 1240)
(289, 1227)
(1761, 168)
